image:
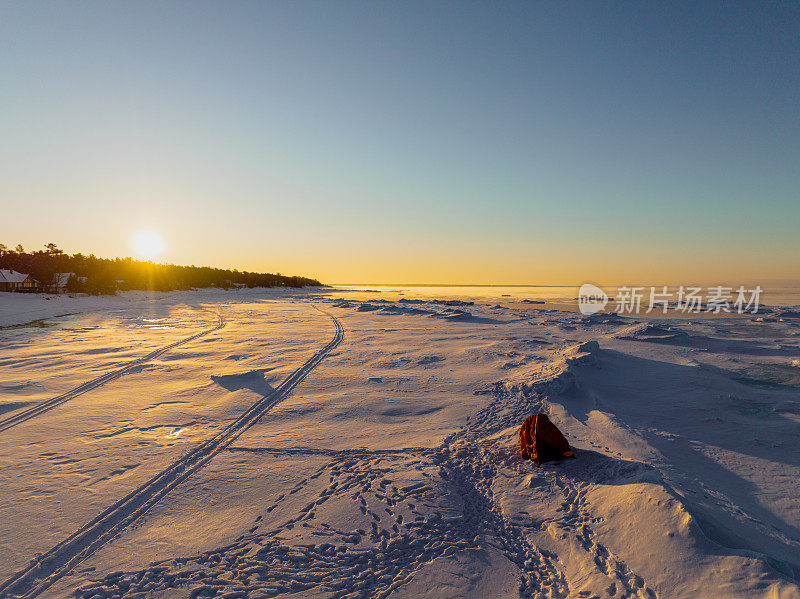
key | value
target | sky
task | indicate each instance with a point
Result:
(409, 142)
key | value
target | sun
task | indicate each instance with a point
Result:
(148, 244)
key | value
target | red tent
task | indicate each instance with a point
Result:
(541, 441)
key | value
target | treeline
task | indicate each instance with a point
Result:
(106, 276)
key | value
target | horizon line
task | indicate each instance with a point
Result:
(687, 283)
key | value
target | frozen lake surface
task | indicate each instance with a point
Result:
(266, 443)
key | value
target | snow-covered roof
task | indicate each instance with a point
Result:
(60, 278)
(12, 276)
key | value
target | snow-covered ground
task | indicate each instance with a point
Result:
(384, 463)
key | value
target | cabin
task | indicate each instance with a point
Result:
(11, 280)
(60, 280)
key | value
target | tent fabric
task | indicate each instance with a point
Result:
(541, 441)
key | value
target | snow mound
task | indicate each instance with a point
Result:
(367, 308)
(455, 316)
(555, 376)
(603, 318)
(653, 333)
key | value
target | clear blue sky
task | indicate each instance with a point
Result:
(549, 142)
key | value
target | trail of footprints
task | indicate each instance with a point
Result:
(404, 532)
(577, 521)
(543, 573)
(415, 506)
(472, 472)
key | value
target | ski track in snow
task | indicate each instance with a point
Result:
(61, 559)
(132, 366)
